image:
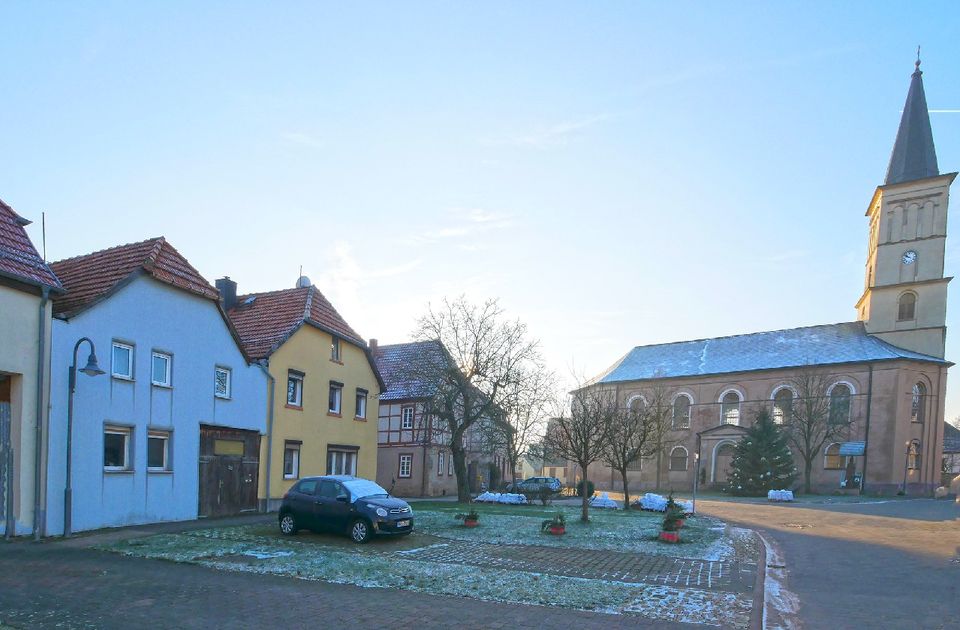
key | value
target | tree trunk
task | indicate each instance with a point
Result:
(584, 503)
(659, 466)
(626, 491)
(460, 468)
(807, 469)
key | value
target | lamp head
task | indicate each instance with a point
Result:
(92, 368)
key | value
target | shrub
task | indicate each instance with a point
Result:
(590, 487)
(472, 515)
(558, 520)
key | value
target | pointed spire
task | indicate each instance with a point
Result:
(914, 156)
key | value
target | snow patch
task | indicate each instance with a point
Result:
(260, 554)
(780, 495)
(658, 503)
(604, 501)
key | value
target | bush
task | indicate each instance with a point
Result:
(590, 487)
(544, 495)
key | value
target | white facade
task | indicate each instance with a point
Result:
(117, 414)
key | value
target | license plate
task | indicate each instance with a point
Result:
(403, 523)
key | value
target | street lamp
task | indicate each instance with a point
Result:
(906, 464)
(91, 369)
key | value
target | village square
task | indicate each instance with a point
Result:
(195, 433)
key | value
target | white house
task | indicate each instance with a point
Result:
(171, 430)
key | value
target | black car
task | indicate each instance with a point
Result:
(342, 503)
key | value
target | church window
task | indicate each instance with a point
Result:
(839, 404)
(678, 458)
(913, 456)
(918, 402)
(681, 412)
(782, 405)
(637, 405)
(907, 307)
(831, 457)
(730, 408)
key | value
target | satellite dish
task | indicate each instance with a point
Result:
(303, 282)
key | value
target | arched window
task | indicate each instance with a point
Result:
(730, 408)
(681, 411)
(913, 455)
(637, 404)
(831, 457)
(840, 403)
(782, 405)
(907, 307)
(919, 403)
(678, 458)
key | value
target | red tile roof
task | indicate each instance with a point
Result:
(92, 277)
(18, 257)
(265, 320)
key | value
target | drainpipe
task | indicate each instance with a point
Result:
(38, 516)
(866, 435)
(273, 386)
(935, 465)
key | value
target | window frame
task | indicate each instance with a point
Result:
(228, 394)
(686, 459)
(403, 419)
(336, 387)
(901, 306)
(914, 454)
(127, 433)
(168, 372)
(673, 412)
(362, 394)
(408, 458)
(450, 465)
(293, 376)
(131, 349)
(441, 463)
(336, 353)
(831, 415)
(784, 413)
(827, 456)
(349, 454)
(737, 410)
(292, 447)
(166, 436)
(918, 403)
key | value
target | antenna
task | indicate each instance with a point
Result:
(43, 231)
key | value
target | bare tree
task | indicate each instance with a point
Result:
(816, 418)
(628, 443)
(582, 433)
(484, 359)
(659, 423)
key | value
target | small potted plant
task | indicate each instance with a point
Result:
(470, 519)
(672, 522)
(672, 506)
(556, 525)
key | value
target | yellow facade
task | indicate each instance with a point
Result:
(308, 352)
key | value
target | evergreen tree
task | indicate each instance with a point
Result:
(763, 461)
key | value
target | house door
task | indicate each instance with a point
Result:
(229, 467)
(723, 461)
(6, 451)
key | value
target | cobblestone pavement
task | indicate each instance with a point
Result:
(729, 575)
(869, 565)
(52, 585)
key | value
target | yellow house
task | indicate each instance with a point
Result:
(324, 386)
(26, 285)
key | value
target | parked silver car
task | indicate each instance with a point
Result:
(535, 485)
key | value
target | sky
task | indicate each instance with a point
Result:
(616, 174)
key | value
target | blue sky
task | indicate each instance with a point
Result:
(616, 173)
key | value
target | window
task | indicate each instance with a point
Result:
(681, 412)
(440, 462)
(450, 465)
(158, 451)
(840, 403)
(291, 460)
(160, 369)
(906, 307)
(361, 403)
(406, 418)
(228, 447)
(335, 349)
(913, 456)
(406, 465)
(918, 403)
(730, 408)
(678, 458)
(116, 448)
(295, 388)
(341, 461)
(831, 458)
(221, 382)
(636, 466)
(637, 405)
(336, 397)
(307, 486)
(122, 360)
(782, 405)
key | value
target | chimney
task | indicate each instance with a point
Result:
(373, 347)
(228, 292)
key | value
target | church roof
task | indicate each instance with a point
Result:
(951, 439)
(847, 342)
(914, 156)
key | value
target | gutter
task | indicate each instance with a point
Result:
(38, 516)
(273, 386)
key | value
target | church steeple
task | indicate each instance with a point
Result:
(914, 156)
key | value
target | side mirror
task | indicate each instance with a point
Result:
(343, 498)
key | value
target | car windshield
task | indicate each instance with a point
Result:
(363, 489)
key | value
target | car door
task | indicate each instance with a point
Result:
(332, 507)
(302, 499)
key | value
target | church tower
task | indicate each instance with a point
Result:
(905, 293)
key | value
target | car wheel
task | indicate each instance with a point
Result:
(288, 524)
(360, 531)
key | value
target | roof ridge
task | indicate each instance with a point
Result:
(105, 250)
(151, 259)
(748, 334)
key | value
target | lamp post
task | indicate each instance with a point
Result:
(91, 369)
(696, 476)
(906, 464)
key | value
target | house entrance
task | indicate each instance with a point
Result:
(229, 467)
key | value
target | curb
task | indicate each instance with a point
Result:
(757, 613)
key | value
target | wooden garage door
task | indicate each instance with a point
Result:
(229, 465)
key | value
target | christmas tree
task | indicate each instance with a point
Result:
(763, 461)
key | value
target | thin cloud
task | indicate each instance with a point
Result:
(470, 222)
(557, 134)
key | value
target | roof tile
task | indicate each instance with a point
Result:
(18, 257)
(398, 365)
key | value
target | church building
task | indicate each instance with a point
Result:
(882, 378)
